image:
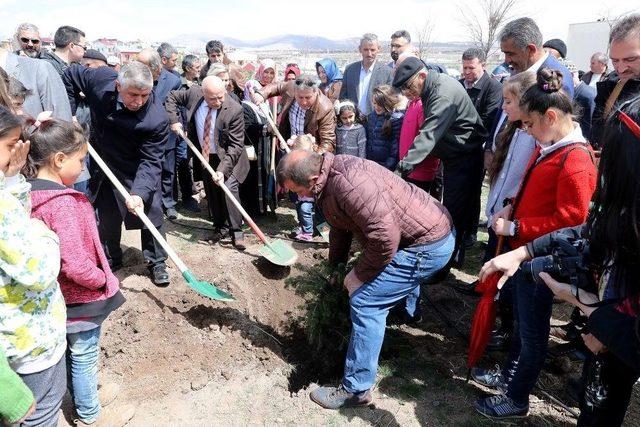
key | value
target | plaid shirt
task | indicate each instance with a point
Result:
(296, 119)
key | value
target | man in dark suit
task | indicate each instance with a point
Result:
(131, 130)
(486, 96)
(216, 126)
(521, 43)
(598, 69)
(361, 77)
(164, 82)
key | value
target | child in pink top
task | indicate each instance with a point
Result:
(90, 290)
(424, 174)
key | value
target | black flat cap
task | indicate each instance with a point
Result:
(558, 45)
(94, 54)
(406, 70)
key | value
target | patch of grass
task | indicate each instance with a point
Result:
(412, 390)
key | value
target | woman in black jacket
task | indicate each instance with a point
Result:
(613, 234)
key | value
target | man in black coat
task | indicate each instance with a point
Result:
(216, 127)
(486, 95)
(131, 130)
(361, 77)
(624, 50)
(453, 131)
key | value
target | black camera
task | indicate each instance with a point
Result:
(568, 263)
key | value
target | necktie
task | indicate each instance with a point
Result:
(206, 137)
(615, 93)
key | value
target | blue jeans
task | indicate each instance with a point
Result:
(532, 305)
(370, 305)
(305, 215)
(82, 373)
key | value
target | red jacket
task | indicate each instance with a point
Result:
(556, 192)
(413, 118)
(85, 275)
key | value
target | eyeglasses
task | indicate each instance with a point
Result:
(84, 48)
(26, 40)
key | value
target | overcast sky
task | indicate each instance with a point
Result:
(254, 19)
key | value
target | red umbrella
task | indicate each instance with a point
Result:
(485, 314)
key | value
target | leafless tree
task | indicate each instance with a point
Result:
(423, 37)
(483, 19)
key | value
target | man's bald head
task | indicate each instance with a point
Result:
(151, 59)
(299, 170)
(214, 91)
(410, 53)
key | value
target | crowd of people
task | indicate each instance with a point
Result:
(393, 154)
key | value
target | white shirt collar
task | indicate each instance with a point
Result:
(574, 136)
(370, 68)
(535, 67)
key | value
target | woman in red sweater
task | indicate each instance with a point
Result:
(555, 193)
(90, 289)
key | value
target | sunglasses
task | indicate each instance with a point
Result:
(27, 40)
(307, 83)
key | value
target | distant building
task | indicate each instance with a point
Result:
(242, 58)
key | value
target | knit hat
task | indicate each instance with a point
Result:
(558, 45)
(94, 54)
(406, 70)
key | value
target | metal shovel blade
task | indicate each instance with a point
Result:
(279, 252)
(324, 230)
(205, 288)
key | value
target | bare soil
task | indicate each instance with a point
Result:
(185, 360)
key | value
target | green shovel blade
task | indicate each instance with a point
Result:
(205, 288)
(279, 252)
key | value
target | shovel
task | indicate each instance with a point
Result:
(203, 288)
(283, 144)
(276, 251)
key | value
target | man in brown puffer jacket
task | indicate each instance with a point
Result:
(406, 235)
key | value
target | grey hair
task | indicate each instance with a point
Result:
(600, 57)
(165, 50)
(26, 27)
(135, 74)
(626, 28)
(473, 53)
(155, 63)
(189, 61)
(369, 38)
(307, 81)
(523, 31)
(217, 68)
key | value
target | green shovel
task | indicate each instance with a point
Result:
(203, 288)
(276, 251)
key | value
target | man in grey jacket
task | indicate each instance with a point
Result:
(361, 77)
(47, 91)
(453, 131)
